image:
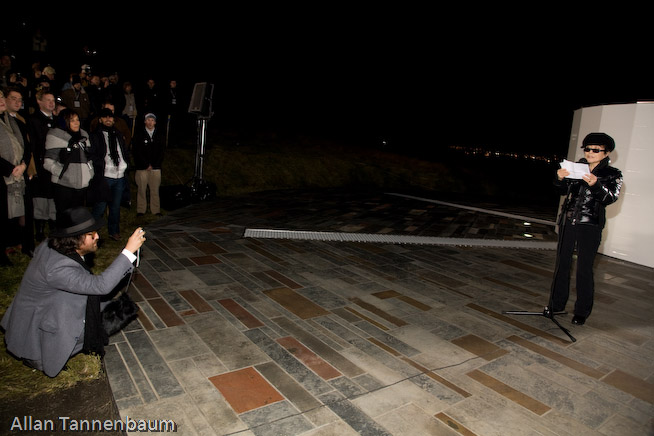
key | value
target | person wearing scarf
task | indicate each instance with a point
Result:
(110, 157)
(57, 311)
(67, 160)
(12, 167)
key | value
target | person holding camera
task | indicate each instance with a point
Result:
(58, 310)
(66, 158)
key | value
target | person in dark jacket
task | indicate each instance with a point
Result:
(76, 98)
(110, 161)
(39, 124)
(148, 150)
(583, 216)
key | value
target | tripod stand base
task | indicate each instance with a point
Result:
(202, 190)
(547, 313)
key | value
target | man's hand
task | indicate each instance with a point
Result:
(136, 240)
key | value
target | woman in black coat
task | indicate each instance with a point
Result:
(582, 219)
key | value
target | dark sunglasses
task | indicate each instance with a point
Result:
(594, 150)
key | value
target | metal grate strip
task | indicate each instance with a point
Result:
(394, 239)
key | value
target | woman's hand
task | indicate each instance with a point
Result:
(562, 173)
(591, 179)
(19, 170)
(136, 240)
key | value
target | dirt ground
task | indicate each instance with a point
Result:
(86, 400)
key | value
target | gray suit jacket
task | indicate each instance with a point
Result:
(46, 318)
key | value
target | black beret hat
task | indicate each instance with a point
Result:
(599, 139)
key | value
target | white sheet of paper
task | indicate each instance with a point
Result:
(577, 170)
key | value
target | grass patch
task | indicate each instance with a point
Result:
(268, 163)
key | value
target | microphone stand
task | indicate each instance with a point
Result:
(547, 312)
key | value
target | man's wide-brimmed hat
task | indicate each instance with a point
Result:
(76, 221)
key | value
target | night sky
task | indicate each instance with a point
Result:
(416, 77)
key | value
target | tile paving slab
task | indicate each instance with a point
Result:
(246, 336)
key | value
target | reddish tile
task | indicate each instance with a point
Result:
(205, 260)
(380, 313)
(134, 293)
(165, 312)
(386, 294)
(208, 247)
(145, 321)
(220, 230)
(295, 303)
(144, 287)
(454, 424)
(367, 318)
(309, 358)
(480, 347)
(188, 312)
(415, 303)
(383, 295)
(196, 301)
(261, 251)
(507, 391)
(248, 320)
(635, 386)
(281, 278)
(245, 389)
(160, 243)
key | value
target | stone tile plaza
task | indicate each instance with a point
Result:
(243, 335)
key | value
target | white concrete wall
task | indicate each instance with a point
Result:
(629, 232)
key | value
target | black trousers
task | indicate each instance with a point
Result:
(586, 238)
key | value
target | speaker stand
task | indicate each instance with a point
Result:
(198, 175)
(547, 313)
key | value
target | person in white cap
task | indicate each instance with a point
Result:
(148, 147)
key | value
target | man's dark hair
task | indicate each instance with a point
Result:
(67, 245)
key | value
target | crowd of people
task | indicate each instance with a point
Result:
(71, 143)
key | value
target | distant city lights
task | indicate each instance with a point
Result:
(485, 153)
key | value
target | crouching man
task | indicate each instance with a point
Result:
(56, 311)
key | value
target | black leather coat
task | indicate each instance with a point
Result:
(587, 204)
